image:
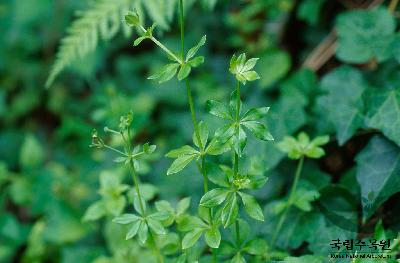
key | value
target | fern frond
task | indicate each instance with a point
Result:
(101, 21)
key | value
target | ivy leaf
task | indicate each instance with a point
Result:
(365, 34)
(230, 210)
(191, 238)
(192, 52)
(384, 111)
(342, 105)
(378, 170)
(213, 237)
(214, 197)
(251, 206)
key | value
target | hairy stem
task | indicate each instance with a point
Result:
(290, 201)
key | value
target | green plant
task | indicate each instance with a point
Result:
(221, 203)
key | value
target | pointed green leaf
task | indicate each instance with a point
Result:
(251, 206)
(126, 219)
(192, 52)
(259, 130)
(156, 226)
(213, 237)
(191, 238)
(184, 71)
(214, 197)
(230, 210)
(133, 230)
(180, 163)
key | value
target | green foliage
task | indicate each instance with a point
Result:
(302, 146)
(377, 173)
(365, 35)
(228, 197)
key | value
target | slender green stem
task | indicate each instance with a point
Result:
(236, 156)
(290, 200)
(237, 233)
(182, 24)
(169, 52)
(161, 45)
(115, 150)
(139, 195)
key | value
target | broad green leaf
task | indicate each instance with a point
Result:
(156, 226)
(95, 211)
(214, 197)
(213, 237)
(191, 238)
(255, 114)
(384, 111)
(251, 206)
(133, 230)
(378, 169)
(219, 109)
(230, 210)
(192, 52)
(343, 105)
(364, 35)
(259, 130)
(180, 163)
(184, 71)
(126, 219)
(251, 75)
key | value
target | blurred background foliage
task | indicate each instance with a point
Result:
(49, 175)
